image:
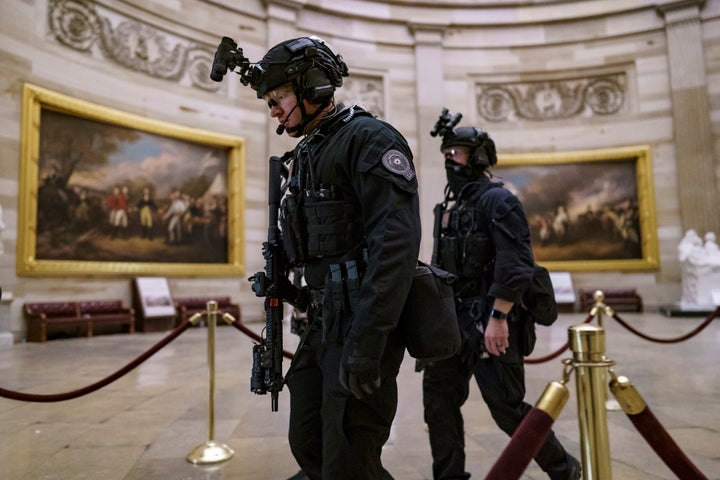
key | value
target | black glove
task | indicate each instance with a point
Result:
(359, 375)
(473, 348)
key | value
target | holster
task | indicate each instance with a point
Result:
(428, 322)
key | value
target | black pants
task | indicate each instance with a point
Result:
(332, 434)
(502, 385)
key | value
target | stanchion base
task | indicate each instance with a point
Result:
(210, 452)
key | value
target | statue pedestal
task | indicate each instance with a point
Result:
(6, 336)
(679, 309)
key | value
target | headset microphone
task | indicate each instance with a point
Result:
(281, 128)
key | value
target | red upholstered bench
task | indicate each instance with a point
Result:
(620, 299)
(44, 315)
(188, 306)
(107, 312)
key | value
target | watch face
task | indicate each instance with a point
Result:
(498, 314)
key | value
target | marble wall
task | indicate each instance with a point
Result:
(540, 77)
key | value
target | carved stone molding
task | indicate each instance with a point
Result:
(82, 25)
(552, 100)
(367, 91)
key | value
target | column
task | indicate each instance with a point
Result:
(697, 184)
(430, 101)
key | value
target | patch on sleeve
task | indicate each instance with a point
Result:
(398, 163)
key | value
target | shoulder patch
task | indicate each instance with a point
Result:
(398, 163)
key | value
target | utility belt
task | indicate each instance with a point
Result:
(317, 223)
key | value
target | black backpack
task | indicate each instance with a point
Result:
(539, 298)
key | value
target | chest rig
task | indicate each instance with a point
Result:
(462, 237)
(318, 217)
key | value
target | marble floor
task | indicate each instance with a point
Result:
(143, 425)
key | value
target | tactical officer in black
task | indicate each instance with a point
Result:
(482, 235)
(350, 221)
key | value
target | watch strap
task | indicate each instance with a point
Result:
(497, 314)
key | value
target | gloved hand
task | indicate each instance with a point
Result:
(473, 347)
(359, 375)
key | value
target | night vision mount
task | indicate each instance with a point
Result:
(445, 123)
(229, 57)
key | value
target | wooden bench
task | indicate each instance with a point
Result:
(43, 316)
(107, 312)
(188, 306)
(619, 299)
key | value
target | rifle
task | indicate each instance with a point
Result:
(267, 372)
(438, 212)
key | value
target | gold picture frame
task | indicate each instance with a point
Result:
(589, 210)
(100, 188)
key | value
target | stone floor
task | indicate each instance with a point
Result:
(143, 425)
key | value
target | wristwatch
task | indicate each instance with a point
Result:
(497, 314)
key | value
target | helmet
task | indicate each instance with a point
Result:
(310, 63)
(481, 146)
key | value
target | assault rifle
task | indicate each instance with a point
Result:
(267, 374)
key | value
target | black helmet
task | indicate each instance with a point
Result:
(479, 143)
(310, 63)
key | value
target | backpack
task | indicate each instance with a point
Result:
(539, 298)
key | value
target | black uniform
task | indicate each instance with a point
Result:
(486, 241)
(352, 221)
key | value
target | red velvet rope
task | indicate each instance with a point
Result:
(657, 437)
(691, 334)
(59, 397)
(524, 445)
(557, 352)
(256, 337)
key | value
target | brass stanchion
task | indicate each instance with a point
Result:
(210, 451)
(598, 310)
(587, 343)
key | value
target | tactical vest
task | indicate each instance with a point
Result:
(315, 219)
(463, 243)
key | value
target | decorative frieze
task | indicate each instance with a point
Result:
(552, 100)
(367, 91)
(85, 26)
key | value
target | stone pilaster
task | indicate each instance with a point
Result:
(430, 101)
(697, 185)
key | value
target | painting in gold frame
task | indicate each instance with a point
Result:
(104, 192)
(588, 210)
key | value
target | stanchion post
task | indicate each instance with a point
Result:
(598, 310)
(210, 451)
(587, 343)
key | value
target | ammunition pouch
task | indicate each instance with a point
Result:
(466, 256)
(341, 296)
(428, 323)
(293, 229)
(332, 227)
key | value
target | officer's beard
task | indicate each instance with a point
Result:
(458, 176)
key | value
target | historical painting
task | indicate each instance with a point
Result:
(105, 192)
(589, 210)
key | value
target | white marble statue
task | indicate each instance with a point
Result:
(700, 270)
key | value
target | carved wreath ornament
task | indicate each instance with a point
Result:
(79, 25)
(551, 100)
